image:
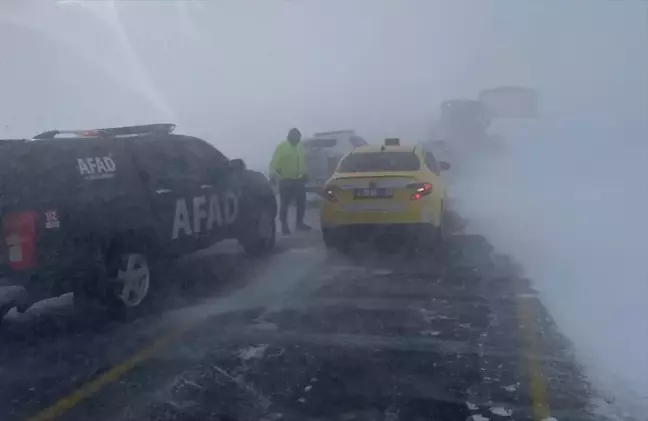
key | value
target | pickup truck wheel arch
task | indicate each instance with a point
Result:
(112, 257)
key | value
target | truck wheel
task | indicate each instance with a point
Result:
(134, 278)
(123, 286)
(262, 235)
(118, 279)
(131, 284)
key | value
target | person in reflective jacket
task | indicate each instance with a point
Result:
(288, 168)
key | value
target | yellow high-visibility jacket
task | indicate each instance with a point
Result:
(288, 162)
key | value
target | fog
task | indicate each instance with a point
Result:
(566, 195)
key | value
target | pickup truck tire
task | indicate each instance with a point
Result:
(130, 285)
(122, 281)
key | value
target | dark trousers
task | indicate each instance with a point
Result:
(290, 190)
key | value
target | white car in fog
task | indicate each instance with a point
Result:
(323, 151)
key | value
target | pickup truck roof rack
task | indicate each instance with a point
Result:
(145, 129)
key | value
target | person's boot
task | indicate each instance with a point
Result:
(302, 227)
(284, 229)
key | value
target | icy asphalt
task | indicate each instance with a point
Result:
(304, 334)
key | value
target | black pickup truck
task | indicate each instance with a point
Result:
(92, 211)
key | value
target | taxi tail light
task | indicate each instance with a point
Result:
(421, 189)
(19, 237)
(329, 194)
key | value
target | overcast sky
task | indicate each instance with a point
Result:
(243, 72)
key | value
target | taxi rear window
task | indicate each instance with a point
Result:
(380, 161)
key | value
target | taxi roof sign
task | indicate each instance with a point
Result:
(392, 141)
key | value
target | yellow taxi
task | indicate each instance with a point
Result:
(389, 188)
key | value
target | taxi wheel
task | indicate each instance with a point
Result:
(438, 243)
(440, 235)
(441, 232)
(333, 240)
(429, 238)
(330, 240)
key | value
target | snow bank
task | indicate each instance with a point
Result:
(571, 206)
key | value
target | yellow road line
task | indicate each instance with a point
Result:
(537, 385)
(538, 388)
(85, 391)
(92, 387)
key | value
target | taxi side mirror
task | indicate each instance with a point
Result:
(444, 166)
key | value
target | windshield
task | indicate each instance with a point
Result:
(379, 162)
(218, 210)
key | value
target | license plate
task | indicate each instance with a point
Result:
(378, 193)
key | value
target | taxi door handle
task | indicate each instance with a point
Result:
(163, 191)
(206, 186)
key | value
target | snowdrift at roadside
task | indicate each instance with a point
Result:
(570, 206)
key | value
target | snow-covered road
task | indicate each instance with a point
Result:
(306, 334)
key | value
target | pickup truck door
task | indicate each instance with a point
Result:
(219, 188)
(170, 189)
